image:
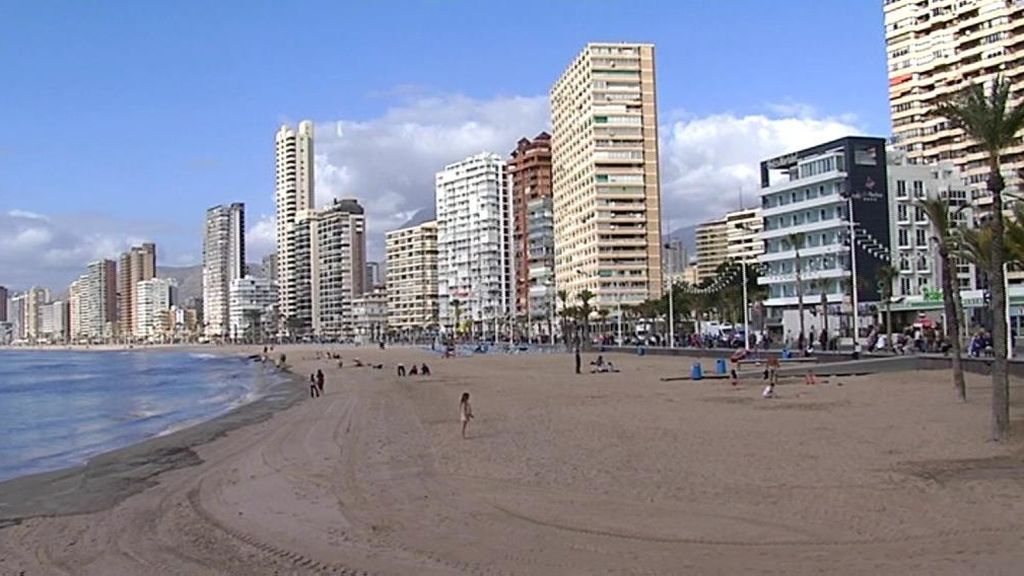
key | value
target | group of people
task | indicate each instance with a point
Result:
(421, 370)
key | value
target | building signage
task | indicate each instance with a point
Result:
(867, 191)
(782, 161)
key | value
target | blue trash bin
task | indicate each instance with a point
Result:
(640, 351)
(696, 372)
(787, 354)
(720, 366)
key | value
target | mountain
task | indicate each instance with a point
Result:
(688, 236)
(422, 215)
(190, 278)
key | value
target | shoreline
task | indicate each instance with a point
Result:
(108, 478)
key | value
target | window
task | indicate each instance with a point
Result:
(921, 237)
(918, 189)
(903, 238)
(904, 286)
(901, 213)
(901, 188)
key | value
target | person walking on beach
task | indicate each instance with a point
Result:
(465, 412)
(578, 360)
(320, 380)
(313, 390)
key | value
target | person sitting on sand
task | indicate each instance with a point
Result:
(424, 370)
(359, 363)
(401, 370)
(414, 371)
(313, 390)
(377, 366)
(465, 412)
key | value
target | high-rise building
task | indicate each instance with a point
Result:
(135, 265)
(3, 303)
(53, 324)
(35, 300)
(96, 298)
(373, 278)
(805, 211)
(223, 261)
(252, 303)
(674, 256)
(338, 238)
(16, 313)
(742, 235)
(910, 230)
(937, 48)
(76, 301)
(270, 266)
(606, 196)
(412, 277)
(295, 201)
(153, 301)
(712, 247)
(474, 243)
(529, 173)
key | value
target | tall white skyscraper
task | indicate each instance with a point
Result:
(223, 261)
(153, 301)
(474, 242)
(295, 200)
(605, 194)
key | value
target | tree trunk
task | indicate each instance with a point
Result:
(888, 323)
(1000, 383)
(801, 338)
(952, 322)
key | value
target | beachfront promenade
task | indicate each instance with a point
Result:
(613, 473)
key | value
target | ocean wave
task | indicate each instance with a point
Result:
(203, 356)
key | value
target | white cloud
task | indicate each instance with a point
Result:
(260, 238)
(706, 162)
(50, 250)
(389, 162)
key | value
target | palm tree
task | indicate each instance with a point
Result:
(585, 310)
(937, 210)
(886, 276)
(457, 306)
(563, 296)
(990, 121)
(796, 240)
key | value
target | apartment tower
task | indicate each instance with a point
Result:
(474, 244)
(96, 296)
(3, 303)
(712, 247)
(411, 273)
(606, 197)
(295, 201)
(937, 48)
(135, 265)
(338, 256)
(223, 261)
(529, 173)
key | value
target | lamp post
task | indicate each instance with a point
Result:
(746, 309)
(853, 273)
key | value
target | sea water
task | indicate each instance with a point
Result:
(59, 408)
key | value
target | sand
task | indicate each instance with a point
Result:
(562, 474)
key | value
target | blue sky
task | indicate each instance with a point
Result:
(122, 121)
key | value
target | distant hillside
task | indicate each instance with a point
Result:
(688, 236)
(190, 278)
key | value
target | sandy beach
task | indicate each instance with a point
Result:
(561, 474)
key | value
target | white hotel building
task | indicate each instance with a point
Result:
(807, 196)
(474, 241)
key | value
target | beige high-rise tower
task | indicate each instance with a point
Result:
(935, 49)
(294, 199)
(136, 265)
(606, 195)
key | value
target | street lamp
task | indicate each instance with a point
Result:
(671, 306)
(853, 273)
(746, 310)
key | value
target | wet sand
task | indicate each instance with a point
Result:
(562, 474)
